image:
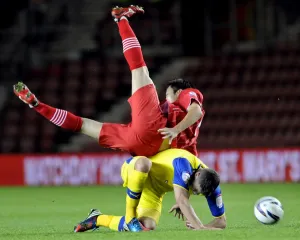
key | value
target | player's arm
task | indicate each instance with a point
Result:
(182, 174)
(219, 222)
(187, 100)
(182, 199)
(217, 209)
(191, 101)
(194, 113)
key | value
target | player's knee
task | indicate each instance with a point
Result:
(91, 128)
(148, 223)
(140, 72)
(143, 164)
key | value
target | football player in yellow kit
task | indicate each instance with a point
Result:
(148, 179)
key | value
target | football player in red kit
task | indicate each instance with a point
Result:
(183, 108)
(153, 127)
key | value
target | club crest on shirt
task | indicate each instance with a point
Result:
(185, 177)
(219, 201)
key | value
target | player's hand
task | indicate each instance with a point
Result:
(177, 211)
(170, 133)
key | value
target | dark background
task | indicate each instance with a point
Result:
(242, 54)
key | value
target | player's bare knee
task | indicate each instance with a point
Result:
(140, 72)
(91, 128)
(148, 223)
(140, 78)
(143, 164)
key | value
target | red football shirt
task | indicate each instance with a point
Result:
(177, 111)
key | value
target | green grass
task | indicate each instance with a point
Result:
(51, 212)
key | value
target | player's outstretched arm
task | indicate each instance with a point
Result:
(182, 199)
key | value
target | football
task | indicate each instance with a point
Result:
(268, 210)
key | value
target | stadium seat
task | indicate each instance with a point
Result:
(253, 102)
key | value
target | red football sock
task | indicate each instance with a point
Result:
(60, 117)
(131, 46)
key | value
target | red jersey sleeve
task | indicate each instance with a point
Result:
(189, 95)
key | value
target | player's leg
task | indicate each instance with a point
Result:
(59, 117)
(150, 205)
(148, 223)
(131, 47)
(91, 128)
(148, 211)
(135, 185)
(146, 113)
(96, 219)
(134, 173)
(110, 135)
(117, 223)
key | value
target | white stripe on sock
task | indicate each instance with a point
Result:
(63, 118)
(54, 116)
(59, 117)
(130, 43)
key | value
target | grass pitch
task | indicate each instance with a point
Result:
(51, 212)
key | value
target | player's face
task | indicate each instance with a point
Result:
(196, 184)
(172, 96)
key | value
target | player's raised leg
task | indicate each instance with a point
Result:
(131, 47)
(59, 117)
(146, 114)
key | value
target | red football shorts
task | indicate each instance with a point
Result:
(140, 137)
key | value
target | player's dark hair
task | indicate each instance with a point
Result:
(209, 180)
(179, 83)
